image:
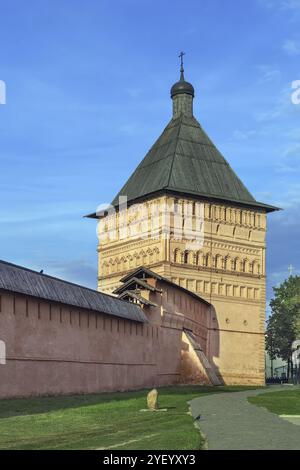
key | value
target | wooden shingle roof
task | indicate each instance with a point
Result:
(24, 281)
(184, 160)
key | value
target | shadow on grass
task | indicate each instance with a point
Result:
(37, 405)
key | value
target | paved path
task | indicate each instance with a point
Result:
(229, 421)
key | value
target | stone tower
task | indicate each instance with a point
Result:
(185, 186)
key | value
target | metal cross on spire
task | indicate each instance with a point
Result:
(291, 269)
(181, 65)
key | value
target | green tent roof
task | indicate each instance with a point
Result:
(184, 160)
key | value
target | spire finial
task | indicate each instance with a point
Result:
(181, 65)
(291, 269)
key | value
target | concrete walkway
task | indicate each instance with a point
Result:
(230, 422)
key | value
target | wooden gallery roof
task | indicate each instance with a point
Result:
(20, 280)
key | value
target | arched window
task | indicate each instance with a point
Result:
(245, 266)
(227, 264)
(207, 260)
(176, 255)
(218, 262)
(198, 258)
(255, 267)
(186, 257)
(235, 264)
(194, 208)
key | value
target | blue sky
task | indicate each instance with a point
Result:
(88, 94)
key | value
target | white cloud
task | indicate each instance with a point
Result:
(289, 200)
(243, 135)
(293, 134)
(80, 271)
(291, 47)
(281, 107)
(292, 5)
(268, 73)
(291, 8)
(291, 160)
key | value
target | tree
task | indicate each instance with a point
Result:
(283, 326)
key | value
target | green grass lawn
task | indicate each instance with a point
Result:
(105, 420)
(286, 402)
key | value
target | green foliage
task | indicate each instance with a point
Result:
(283, 325)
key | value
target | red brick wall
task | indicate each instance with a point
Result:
(54, 349)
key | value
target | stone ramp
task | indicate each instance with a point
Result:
(209, 370)
(230, 422)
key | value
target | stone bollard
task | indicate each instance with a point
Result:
(152, 400)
